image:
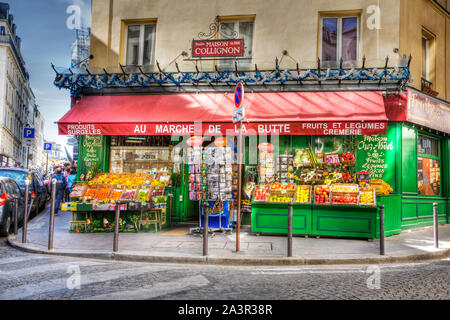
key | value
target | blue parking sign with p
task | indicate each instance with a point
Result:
(47, 146)
(28, 133)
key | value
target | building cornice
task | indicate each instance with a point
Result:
(440, 8)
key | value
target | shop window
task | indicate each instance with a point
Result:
(140, 159)
(428, 166)
(427, 146)
(339, 38)
(244, 30)
(140, 154)
(334, 144)
(140, 44)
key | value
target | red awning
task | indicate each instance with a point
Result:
(289, 113)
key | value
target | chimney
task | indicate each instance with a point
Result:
(4, 10)
(10, 19)
(18, 42)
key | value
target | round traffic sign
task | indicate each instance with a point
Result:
(238, 95)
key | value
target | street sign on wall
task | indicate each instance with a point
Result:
(428, 111)
(218, 48)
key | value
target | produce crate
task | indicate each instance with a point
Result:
(147, 192)
(349, 195)
(116, 193)
(374, 204)
(90, 192)
(257, 191)
(309, 197)
(316, 188)
(129, 194)
(344, 188)
(102, 192)
(79, 190)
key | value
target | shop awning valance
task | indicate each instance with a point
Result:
(287, 113)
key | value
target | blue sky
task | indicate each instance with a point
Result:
(46, 39)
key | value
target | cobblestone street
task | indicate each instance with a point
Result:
(35, 277)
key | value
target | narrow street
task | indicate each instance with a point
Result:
(41, 277)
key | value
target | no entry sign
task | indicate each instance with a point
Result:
(239, 95)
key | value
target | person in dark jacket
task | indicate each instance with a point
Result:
(61, 185)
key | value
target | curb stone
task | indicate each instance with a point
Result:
(250, 261)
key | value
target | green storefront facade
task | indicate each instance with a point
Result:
(398, 157)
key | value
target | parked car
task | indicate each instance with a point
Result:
(9, 191)
(37, 188)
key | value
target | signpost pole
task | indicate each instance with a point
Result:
(238, 218)
(46, 166)
(52, 216)
(238, 116)
(25, 214)
(28, 155)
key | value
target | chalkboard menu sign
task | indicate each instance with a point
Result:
(376, 154)
(92, 152)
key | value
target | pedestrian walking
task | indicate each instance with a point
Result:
(61, 184)
(66, 176)
(70, 179)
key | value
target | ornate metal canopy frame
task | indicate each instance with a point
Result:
(216, 30)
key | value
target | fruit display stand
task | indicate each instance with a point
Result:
(142, 197)
(343, 216)
(319, 217)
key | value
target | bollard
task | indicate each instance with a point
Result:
(290, 218)
(435, 225)
(205, 229)
(382, 230)
(25, 214)
(52, 217)
(116, 228)
(16, 216)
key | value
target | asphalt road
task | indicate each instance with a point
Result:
(42, 277)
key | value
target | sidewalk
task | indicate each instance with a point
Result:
(176, 246)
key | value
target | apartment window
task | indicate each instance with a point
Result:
(428, 60)
(339, 37)
(140, 44)
(244, 30)
(428, 166)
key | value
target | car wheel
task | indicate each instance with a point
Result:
(6, 227)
